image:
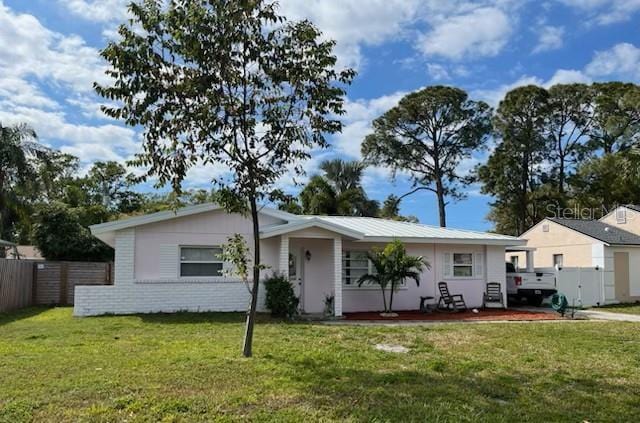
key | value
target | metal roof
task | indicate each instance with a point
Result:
(357, 228)
(599, 230)
(374, 228)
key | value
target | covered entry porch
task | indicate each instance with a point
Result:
(311, 256)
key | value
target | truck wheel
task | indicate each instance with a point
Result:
(535, 301)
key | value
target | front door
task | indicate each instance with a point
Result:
(295, 275)
(621, 275)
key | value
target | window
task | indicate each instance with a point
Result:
(545, 228)
(200, 261)
(558, 260)
(462, 265)
(354, 265)
(621, 215)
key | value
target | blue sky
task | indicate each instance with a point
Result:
(50, 59)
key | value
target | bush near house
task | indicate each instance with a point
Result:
(280, 298)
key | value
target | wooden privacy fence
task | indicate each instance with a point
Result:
(16, 284)
(26, 282)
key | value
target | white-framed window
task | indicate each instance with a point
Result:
(354, 265)
(462, 265)
(621, 215)
(545, 227)
(201, 261)
(465, 265)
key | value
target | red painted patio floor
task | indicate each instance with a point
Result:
(489, 314)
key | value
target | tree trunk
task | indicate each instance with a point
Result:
(393, 288)
(441, 202)
(384, 299)
(251, 313)
(561, 175)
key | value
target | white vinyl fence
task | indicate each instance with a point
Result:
(584, 286)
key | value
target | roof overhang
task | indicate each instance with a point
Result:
(301, 224)
(106, 231)
(425, 240)
(519, 249)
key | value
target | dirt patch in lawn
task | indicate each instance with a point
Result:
(489, 314)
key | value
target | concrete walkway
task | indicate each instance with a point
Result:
(607, 315)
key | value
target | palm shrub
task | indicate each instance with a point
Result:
(280, 298)
(392, 266)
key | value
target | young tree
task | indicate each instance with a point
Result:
(513, 172)
(225, 82)
(427, 135)
(392, 267)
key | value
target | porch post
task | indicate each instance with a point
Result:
(283, 263)
(337, 276)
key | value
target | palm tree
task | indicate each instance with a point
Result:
(17, 173)
(343, 176)
(338, 192)
(393, 266)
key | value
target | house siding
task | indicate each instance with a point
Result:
(631, 223)
(147, 263)
(408, 297)
(143, 266)
(575, 247)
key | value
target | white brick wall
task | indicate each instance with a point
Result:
(127, 296)
(166, 297)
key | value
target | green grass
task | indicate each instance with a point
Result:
(631, 308)
(187, 367)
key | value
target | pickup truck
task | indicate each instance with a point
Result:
(532, 286)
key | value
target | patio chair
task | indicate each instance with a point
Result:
(493, 295)
(450, 302)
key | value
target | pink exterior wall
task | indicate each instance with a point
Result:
(317, 272)
(408, 297)
(212, 228)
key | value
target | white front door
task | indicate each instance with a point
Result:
(295, 274)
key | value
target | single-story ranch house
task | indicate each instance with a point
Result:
(168, 261)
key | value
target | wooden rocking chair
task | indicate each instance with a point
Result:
(448, 302)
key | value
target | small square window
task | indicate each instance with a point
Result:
(545, 227)
(462, 265)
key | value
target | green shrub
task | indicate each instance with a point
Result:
(280, 298)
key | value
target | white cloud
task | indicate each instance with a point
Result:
(549, 38)
(562, 76)
(354, 24)
(622, 60)
(97, 10)
(605, 12)
(31, 50)
(480, 32)
(360, 114)
(437, 72)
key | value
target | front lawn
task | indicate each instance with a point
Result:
(631, 308)
(187, 367)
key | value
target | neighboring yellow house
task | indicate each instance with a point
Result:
(611, 243)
